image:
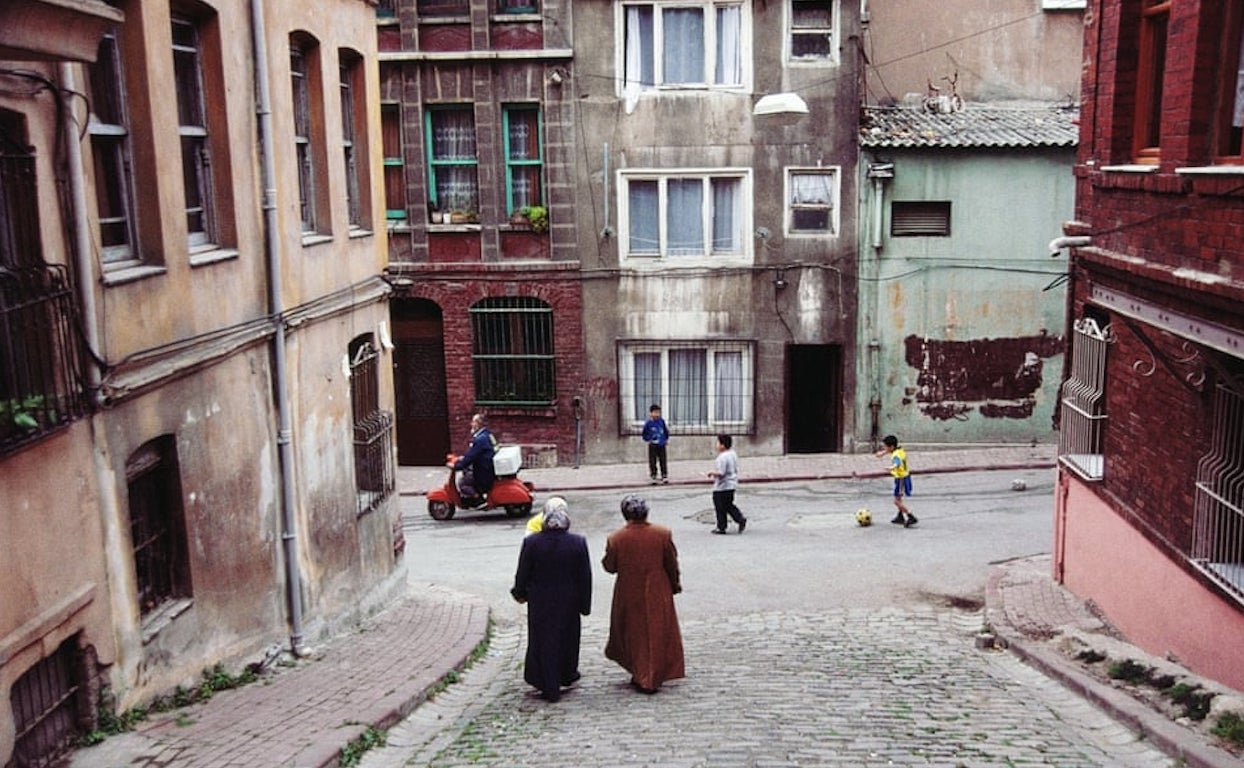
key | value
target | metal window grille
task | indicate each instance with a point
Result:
(41, 387)
(1218, 523)
(45, 703)
(157, 527)
(512, 349)
(374, 472)
(702, 388)
(1082, 432)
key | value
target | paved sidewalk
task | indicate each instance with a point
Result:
(303, 716)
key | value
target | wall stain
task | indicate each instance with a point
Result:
(997, 377)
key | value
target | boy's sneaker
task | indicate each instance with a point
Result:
(898, 519)
(665, 481)
(911, 520)
(653, 481)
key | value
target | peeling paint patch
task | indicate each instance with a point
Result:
(999, 378)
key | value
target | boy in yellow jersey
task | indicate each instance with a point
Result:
(902, 480)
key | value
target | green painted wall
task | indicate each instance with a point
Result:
(961, 336)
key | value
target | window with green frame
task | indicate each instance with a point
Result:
(453, 158)
(524, 156)
(394, 163)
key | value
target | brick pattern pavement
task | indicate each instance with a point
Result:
(302, 716)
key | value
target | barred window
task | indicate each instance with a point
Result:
(1218, 532)
(702, 387)
(48, 702)
(157, 525)
(374, 471)
(1082, 433)
(41, 385)
(512, 348)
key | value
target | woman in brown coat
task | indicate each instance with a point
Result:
(643, 628)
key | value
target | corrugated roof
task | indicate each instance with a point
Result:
(976, 125)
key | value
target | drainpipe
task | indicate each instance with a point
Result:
(1059, 243)
(81, 234)
(280, 385)
(879, 174)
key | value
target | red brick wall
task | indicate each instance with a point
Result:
(528, 426)
(1172, 239)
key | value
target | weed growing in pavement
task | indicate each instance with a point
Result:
(1192, 698)
(1129, 671)
(353, 752)
(1230, 727)
(215, 679)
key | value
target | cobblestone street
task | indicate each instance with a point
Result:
(891, 687)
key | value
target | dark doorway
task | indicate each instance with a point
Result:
(419, 383)
(814, 398)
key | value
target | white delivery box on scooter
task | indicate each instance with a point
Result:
(507, 460)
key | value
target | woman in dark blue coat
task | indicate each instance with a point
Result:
(554, 579)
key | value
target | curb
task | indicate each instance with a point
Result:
(1168, 736)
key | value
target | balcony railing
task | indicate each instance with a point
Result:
(41, 386)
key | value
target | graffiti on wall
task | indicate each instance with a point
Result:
(998, 378)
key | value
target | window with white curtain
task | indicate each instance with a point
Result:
(453, 159)
(703, 387)
(684, 45)
(812, 201)
(685, 215)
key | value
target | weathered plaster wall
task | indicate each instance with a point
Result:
(966, 331)
(708, 129)
(1001, 50)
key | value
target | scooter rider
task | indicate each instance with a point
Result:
(476, 464)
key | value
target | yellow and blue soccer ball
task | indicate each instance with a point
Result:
(863, 517)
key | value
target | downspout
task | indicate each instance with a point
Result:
(280, 384)
(878, 173)
(81, 236)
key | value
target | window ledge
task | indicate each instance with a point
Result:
(1212, 170)
(454, 227)
(314, 238)
(213, 256)
(132, 274)
(359, 232)
(1130, 168)
(155, 622)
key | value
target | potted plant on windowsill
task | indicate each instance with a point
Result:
(534, 216)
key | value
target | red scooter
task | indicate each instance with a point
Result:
(507, 491)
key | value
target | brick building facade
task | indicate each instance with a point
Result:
(1150, 503)
(477, 103)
